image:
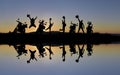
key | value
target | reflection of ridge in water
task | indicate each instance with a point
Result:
(42, 51)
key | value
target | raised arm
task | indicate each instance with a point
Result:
(35, 17)
(29, 17)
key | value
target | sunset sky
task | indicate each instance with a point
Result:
(104, 14)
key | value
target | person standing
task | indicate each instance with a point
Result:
(89, 28)
(63, 25)
(81, 25)
(50, 25)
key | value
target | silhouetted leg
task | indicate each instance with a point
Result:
(78, 30)
(35, 59)
(83, 30)
(50, 56)
(35, 26)
(30, 26)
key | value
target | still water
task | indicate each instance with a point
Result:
(102, 59)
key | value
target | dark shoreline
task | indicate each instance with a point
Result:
(57, 38)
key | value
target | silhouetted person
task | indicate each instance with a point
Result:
(63, 52)
(72, 28)
(32, 56)
(32, 21)
(41, 27)
(50, 52)
(41, 50)
(20, 28)
(81, 25)
(89, 48)
(81, 52)
(89, 28)
(72, 49)
(63, 24)
(20, 50)
(50, 25)
(23, 27)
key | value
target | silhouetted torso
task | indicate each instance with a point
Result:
(72, 28)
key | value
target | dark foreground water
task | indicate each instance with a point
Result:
(103, 59)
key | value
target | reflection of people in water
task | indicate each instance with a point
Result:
(89, 49)
(41, 50)
(63, 52)
(32, 21)
(50, 52)
(72, 49)
(20, 50)
(81, 52)
(32, 56)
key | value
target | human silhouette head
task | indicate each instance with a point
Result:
(63, 17)
(50, 19)
(89, 23)
(77, 16)
(28, 15)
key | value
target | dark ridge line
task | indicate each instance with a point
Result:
(57, 38)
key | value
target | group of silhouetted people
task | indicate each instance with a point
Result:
(81, 26)
(20, 28)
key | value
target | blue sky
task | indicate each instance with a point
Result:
(105, 14)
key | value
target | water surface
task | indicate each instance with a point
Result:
(103, 59)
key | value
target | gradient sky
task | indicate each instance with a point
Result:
(105, 14)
